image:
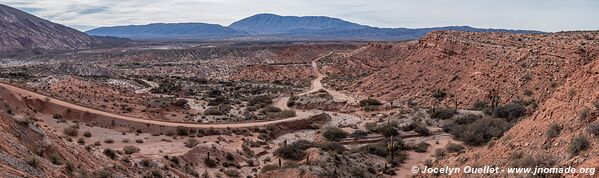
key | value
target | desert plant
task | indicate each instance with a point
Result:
(453, 147)
(370, 102)
(443, 113)
(422, 130)
(578, 144)
(192, 142)
(87, 134)
(593, 129)
(358, 134)
(130, 150)
(71, 131)
(553, 131)
(287, 114)
(334, 134)
(110, 153)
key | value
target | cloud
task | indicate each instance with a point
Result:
(547, 15)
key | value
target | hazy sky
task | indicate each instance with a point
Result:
(545, 15)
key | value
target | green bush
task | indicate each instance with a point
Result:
(232, 173)
(387, 130)
(578, 144)
(334, 134)
(553, 131)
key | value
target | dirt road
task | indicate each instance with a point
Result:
(33, 95)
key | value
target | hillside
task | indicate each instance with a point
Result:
(467, 66)
(573, 107)
(164, 31)
(23, 33)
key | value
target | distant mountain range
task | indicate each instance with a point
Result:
(21, 32)
(276, 28)
(174, 31)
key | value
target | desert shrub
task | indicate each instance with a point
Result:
(480, 105)
(192, 142)
(110, 153)
(453, 147)
(422, 130)
(443, 113)
(270, 109)
(71, 131)
(333, 146)
(370, 102)
(381, 149)
(221, 109)
(519, 160)
(421, 147)
(55, 158)
(56, 116)
(371, 126)
(387, 130)
(593, 129)
(478, 132)
(553, 131)
(232, 173)
(578, 144)
(87, 134)
(466, 119)
(295, 150)
(108, 140)
(583, 113)
(510, 111)
(260, 100)
(211, 163)
(439, 94)
(182, 131)
(287, 114)
(130, 150)
(334, 134)
(139, 141)
(33, 161)
(358, 134)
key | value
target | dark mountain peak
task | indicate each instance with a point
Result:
(275, 24)
(23, 32)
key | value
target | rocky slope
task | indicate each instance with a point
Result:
(573, 107)
(23, 32)
(466, 66)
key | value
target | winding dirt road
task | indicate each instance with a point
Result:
(34, 95)
(281, 103)
(316, 86)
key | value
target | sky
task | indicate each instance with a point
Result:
(544, 15)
